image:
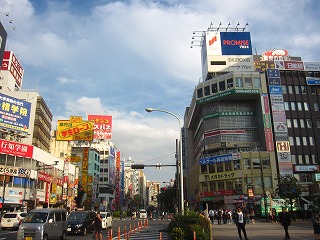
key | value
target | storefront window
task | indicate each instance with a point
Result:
(3, 159)
(204, 187)
(212, 168)
(10, 160)
(246, 163)
(212, 186)
(220, 185)
(228, 166)
(219, 167)
(255, 163)
(204, 169)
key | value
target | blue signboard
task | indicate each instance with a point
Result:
(275, 90)
(14, 113)
(236, 43)
(215, 159)
(274, 81)
(312, 81)
(273, 73)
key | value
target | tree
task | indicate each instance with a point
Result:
(137, 200)
(288, 188)
(167, 198)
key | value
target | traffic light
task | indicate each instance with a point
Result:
(137, 166)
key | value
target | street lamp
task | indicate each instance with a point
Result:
(179, 154)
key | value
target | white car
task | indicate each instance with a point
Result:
(143, 213)
(12, 219)
(106, 220)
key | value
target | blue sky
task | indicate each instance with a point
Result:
(119, 57)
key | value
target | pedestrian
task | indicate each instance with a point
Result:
(98, 227)
(315, 218)
(252, 216)
(219, 216)
(240, 220)
(211, 215)
(285, 220)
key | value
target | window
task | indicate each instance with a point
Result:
(229, 185)
(256, 83)
(238, 185)
(295, 123)
(219, 167)
(300, 160)
(299, 105)
(293, 106)
(303, 89)
(289, 124)
(307, 158)
(230, 83)
(246, 163)
(302, 125)
(290, 89)
(316, 106)
(284, 89)
(206, 90)
(214, 88)
(239, 82)
(297, 89)
(311, 141)
(267, 182)
(257, 182)
(58, 216)
(247, 82)
(304, 141)
(204, 187)
(306, 106)
(212, 168)
(294, 159)
(236, 165)
(212, 186)
(305, 177)
(203, 168)
(286, 106)
(222, 86)
(228, 166)
(314, 159)
(309, 123)
(291, 140)
(220, 185)
(318, 123)
(313, 90)
(255, 163)
(199, 93)
(298, 142)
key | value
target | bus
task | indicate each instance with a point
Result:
(275, 203)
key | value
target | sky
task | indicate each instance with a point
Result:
(119, 57)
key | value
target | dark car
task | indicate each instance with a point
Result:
(80, 222)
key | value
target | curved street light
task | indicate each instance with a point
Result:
(179, 154)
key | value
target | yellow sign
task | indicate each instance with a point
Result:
(69, 131)
(219, 176)
(76, 119)
(74, 158)
(283, 146)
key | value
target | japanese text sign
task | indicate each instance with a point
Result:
(102, 126)
(69, 131)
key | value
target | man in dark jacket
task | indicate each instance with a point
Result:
(241, 223)
(285, 220)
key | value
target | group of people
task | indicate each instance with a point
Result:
(227, 216)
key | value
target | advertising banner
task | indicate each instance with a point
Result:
(312, 81)
(236, 43)
(311, 66)
(11, 63)
(275, 90)
(117, 195)
(71, 131)
(14, 113)
(16, 149)
(14, 171)
(102, 126)
(289, 65)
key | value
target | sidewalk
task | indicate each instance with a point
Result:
(261, 230)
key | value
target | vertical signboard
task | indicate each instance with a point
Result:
(85, 160)
(10, 63)
(279, 119)
(267, 123)
(117, 196)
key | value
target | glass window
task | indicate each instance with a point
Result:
(212, 168)
(309, 123)
(267, 182)
(219, 167)
(230, 83)
(311, 141)
(204, 187)
(247, 82)
(214, 88)
(307, 158)
(299, 105)
(291, 140)
(238, 185)
(220, 185)
(290, 89)
(203, 168)
(229, 185)
(316, 106)
(297, 89)
(300, 160)
(304, 141)
(256, 83)
(313, 90)
(200, 93)
(293, 106)
(257, 182)
(10, 160)
(207, 90)
(306, 106)
(314, 159)
(236, 165)
(298, 142)
(286, 106)
(302, 125)
(239, 82)
(255, 163)
(222, 86)
(246, 163)
(295, 123)
(228, 166)
(303, 89)
(289, 124)
(284, 89)
(294, 159)
(212, 186)
(318, 123)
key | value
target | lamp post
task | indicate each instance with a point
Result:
(179, 154)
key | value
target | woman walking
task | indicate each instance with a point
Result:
(316, 224)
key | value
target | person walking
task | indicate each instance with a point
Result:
(285, 220)
(240, 220)
(315, 218)
(211, 215)
(98, 227)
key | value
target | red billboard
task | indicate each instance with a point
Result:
(16, 149)
(11, 63)
(102, 126)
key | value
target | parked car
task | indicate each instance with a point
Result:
(80, 222)
(12, 219)
(143, 213)
(44, 224)
(106, 219)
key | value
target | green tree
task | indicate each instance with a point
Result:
(288, 188)
(137, 200)
(167, 198)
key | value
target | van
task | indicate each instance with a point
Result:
(142, 213)
(80, 222)
(106, 220)
(44, 224)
